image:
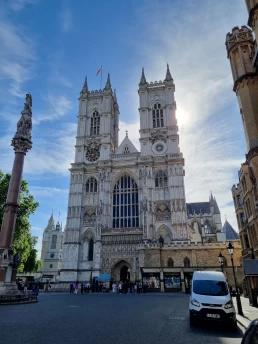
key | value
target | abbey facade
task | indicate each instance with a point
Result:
(126, 206)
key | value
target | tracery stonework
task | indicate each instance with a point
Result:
(125, 200)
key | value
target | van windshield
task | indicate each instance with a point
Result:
(208, 287)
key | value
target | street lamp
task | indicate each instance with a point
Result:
(221, 260)
(230, 249)
(91, 269)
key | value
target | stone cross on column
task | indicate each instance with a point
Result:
(21, 143)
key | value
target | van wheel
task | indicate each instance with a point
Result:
(192, 321)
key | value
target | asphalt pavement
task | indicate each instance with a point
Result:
(60, 318)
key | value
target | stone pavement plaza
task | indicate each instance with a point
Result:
(62, 318)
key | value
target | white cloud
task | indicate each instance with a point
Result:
(18, 5)
(66, 20)
(58, 106)
(17, 57)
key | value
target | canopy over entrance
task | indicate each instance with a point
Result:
(104, 277)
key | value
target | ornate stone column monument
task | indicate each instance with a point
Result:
(21, 143)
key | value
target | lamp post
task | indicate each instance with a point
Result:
(221, 260)
(230, 249)
(91, 269)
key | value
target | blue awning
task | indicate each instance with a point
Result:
(104, 277)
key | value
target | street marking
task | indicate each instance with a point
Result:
(176, 318)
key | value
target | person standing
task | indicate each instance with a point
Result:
(76, 288)
(82, 288)
(71, 288)
(114, 287)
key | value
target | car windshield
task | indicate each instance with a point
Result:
(208, 287)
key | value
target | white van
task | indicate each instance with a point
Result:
(210, 299)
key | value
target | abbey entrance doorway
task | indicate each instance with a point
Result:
(122, 271)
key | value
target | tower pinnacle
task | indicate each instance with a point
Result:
(85, 83)
(168, 74)
(143, 79)
(108, 83)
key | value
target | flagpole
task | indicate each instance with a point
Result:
(101, 79)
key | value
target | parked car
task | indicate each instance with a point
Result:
(210, 299)
(251, 333)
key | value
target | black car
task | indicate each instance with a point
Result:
(251, 333)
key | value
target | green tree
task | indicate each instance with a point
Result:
(23, 241)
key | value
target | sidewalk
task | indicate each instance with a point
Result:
(250, 313)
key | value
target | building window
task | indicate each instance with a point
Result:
(157, 116)
(92, 185)
(242, 216)
(125, 203)
(95, 123)
(91, 249)
(161, 180)
(126, 150)
(53, 243)
(51, 265)
(207, 227)
(170, 263)
(244, 185)
(247, 245)
(186, 262)
(239, 201)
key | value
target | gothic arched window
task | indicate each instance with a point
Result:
(207, 227)
(126, 150)
(157, 116)
(91, 249)
(95, 123)
(187, 262)
(125, 203)
(92, 185)
(54, 240)
(170, 263)
(161, 180)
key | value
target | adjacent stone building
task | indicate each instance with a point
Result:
(127, 212)
(242, 51)
(51, 253)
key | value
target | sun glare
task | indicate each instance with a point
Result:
(181, 116)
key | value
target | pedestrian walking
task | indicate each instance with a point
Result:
(71, 288)
(81, 288)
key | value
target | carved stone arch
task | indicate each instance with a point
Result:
(91, 184)
(121, 174)
(159, 100)
(87, 245)
(95, 108)
(87, 235)
(165, 233)
(187, 262)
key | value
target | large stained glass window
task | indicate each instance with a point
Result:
(125, 203)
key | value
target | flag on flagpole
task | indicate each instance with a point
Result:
(100, 70)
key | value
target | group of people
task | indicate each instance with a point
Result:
(84, 288)
(27, 287)
(128, 287)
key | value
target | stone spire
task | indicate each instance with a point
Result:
(21, 141)
(108, 83)
(115, 99)
(143, 79)
(84, 88)
(168, 74)
(85, 83)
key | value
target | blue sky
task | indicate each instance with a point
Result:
(48, 47)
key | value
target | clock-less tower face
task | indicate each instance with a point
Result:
(46, 237)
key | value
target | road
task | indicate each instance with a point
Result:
(108, 319)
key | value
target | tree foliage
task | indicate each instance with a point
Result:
(23, 241)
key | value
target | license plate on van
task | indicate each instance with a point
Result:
(216, 316)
